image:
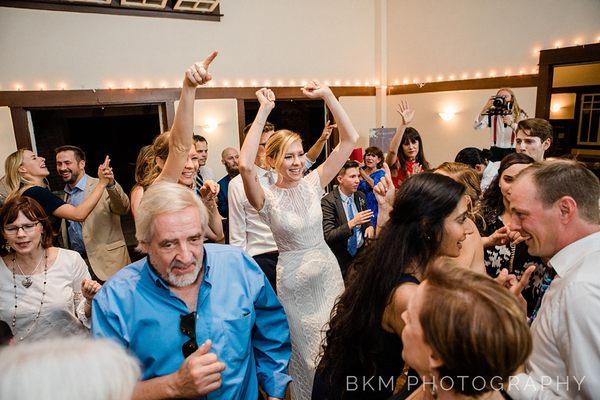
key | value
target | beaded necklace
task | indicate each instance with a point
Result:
(37, 316)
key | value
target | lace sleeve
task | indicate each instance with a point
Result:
(265, 211)
(314, 181)
(80, 272)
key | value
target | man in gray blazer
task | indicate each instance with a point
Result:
(346, 219)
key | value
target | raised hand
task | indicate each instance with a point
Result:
(315, 90)
(199, 374)
(516, 286)
(197, 74)
(327, 130)
(385, 192)
(405, 112)
(508, 119)
(209, 191)
(105, 174)
(266, 98)
(89, 288)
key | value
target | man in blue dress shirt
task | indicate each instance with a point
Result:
(202, 319)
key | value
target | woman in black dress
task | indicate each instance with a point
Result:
(362, 354)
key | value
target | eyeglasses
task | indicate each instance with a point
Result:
(14, 229)
(187, 325)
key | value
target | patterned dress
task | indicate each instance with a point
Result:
(308, 275)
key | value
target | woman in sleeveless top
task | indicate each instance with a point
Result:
(362, 353)
(309, 279)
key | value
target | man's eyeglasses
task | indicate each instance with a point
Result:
(14, 229)
(187, 325)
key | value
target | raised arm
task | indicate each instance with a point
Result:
(406, 116)
(313, 153)
(348, 135)
(79, 213)
(254, 192)
(180, 140)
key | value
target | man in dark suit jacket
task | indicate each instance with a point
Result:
(346, 219)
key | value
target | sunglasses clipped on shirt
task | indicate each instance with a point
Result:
(187, 325)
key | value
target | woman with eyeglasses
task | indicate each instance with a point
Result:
(44, 290)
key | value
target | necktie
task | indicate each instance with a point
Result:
(199, 182)
(353, 241)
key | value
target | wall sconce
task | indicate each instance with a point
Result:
(555, 108)
(209, 126)
(447, 115)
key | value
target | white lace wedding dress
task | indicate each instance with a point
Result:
(308, 275)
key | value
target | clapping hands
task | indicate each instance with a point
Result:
(197, 74)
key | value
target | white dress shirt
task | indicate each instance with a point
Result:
(246, 229)
(565, 362)
(489, 173)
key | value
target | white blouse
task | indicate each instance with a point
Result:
(62, 313)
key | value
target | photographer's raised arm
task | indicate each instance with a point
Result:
(180, 140)
(348, 135)
(481, 119)
(254, 192)
(406, 116)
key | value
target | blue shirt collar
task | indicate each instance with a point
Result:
(346, 198)
(80, 185)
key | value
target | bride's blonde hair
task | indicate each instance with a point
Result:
(278, 144)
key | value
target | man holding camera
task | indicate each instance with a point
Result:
(501, 114)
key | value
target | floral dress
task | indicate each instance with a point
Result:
(516, 260)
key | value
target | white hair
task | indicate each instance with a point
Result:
(165, 198)
(67, 369)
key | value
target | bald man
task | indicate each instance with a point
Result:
(230, 158)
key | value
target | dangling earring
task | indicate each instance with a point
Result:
(433, 388)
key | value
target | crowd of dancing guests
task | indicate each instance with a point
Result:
(476, 278)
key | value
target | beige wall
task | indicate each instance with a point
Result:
(224, 113)
(258, 39)
(443, 139)
(361, 111)
(433, 37)
(7, 136)
(294, 40)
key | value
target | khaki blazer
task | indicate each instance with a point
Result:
(102, 234)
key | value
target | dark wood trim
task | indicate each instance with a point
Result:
(168, 112)
(74, 98)
(542, 99)
(241, 115)
(114, 9)
(466, 84)
(577, 89)
(21, 127)
(556, 57)
(571, 55)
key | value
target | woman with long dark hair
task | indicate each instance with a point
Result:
(504, 248)
(428, 220)
(408, 146)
